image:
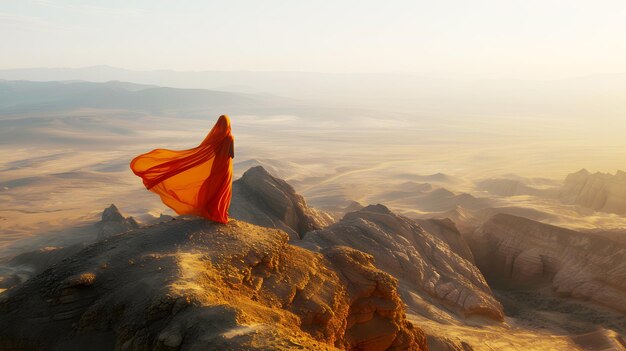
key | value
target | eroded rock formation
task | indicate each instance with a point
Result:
(421, 261)
(599, 191)
(262, 199)
(521, 253)
(28, 264)
(446, 230)
(113, 222)
(193, 284)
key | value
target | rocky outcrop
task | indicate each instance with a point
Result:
(28, 264)
(22, 267)
(521, 253)
(375, 319)
(192, 284)
(422, 262)
(598, 191)
(113, 222)
(262, 199)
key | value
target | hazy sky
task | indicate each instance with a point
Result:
(486, 39)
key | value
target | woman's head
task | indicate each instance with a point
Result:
(223, 123)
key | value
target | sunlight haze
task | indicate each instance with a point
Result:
(313, 174)
(478, 39)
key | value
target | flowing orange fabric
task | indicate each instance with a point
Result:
(197, 181)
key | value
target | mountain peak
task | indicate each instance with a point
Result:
(112, 214)
(262, 199)
(377, 208)
(583, 171)
(113, 222)
(257, 170)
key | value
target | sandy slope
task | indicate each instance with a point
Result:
(489, 337)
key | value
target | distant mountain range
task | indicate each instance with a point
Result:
(28, 96)
(600, 94)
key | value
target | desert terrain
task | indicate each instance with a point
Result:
(501, 231)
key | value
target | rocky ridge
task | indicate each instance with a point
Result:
(192, 284)
(421, 261)
(113, 222)
(598, 191)
(262, 199)
(515, 252)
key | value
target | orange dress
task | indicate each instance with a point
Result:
(197, 181)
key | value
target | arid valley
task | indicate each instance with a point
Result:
(479, 230)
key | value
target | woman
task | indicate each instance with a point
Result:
(197, 181)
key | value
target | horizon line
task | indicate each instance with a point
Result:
(390, 73)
